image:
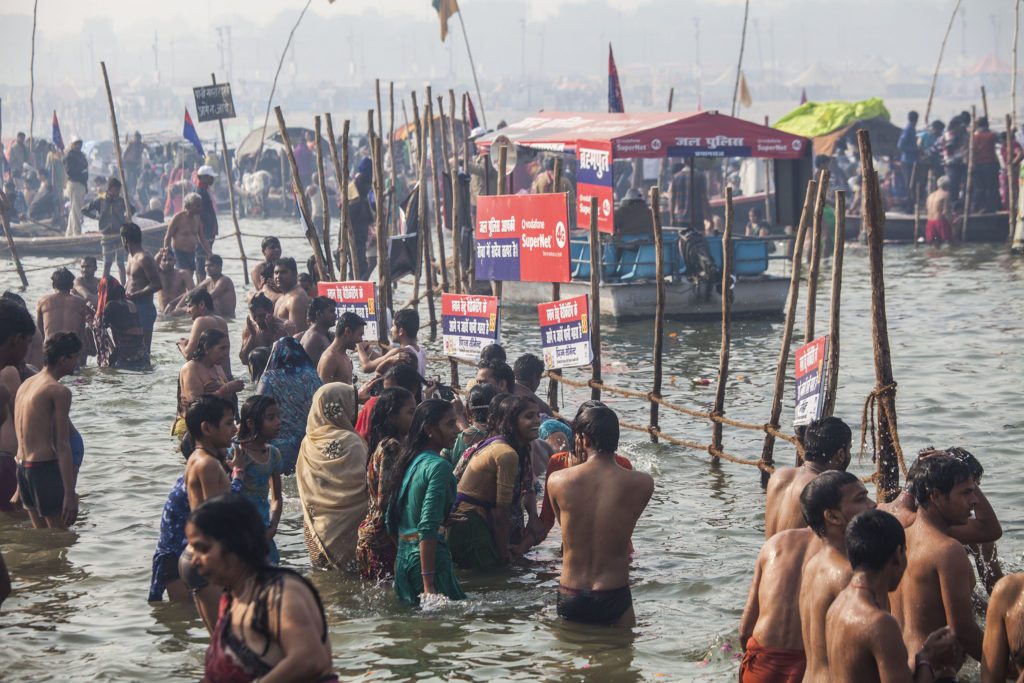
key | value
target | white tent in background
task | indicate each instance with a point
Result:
(814, 75)
(898, 75)
(728, 77)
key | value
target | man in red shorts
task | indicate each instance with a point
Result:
(939, 227)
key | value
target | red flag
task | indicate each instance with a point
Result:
(474, 122)
(615, 105)
(803, 96)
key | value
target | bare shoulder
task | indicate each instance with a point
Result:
(781, 477)
(1006, 592)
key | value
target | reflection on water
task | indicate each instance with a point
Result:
(956, 318)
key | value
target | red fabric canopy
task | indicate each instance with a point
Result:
(653, 135)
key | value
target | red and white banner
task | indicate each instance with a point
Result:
(522, 238)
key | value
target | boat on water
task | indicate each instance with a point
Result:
(39, 241)
(899, 227)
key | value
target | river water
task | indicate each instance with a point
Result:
(956, 320)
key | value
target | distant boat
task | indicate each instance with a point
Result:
(899, 227)
(41, 242)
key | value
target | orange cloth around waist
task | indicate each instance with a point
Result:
(771, 665)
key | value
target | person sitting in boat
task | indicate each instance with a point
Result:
(13, 204)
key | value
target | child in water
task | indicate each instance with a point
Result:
(258, 464)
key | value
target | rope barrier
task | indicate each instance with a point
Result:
(871, 406)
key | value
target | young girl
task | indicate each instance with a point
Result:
(258, 464)
(389, 425)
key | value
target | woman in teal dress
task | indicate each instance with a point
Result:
(421, 506)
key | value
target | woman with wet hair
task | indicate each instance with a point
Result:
(271, 622)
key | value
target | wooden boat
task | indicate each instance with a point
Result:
(899, 227)
(41, 242)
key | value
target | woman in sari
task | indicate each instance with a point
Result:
(291, 380)
(389, 425)
(423, 569)
(203, 374)
(127, 351)
(331, 476)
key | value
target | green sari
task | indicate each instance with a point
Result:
(426, 496)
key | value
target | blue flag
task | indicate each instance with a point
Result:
(190, 134)
(614, 92)
(57, 138)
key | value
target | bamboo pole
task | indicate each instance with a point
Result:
(441, 146)
(970, 173)
(465, 130)
(321, 267)
(723, 358)
(457, 217)
(371, 133)
(767, 185)
(435, 172)
(874, 217)
(383, 271)
(323, 196)
(428, 256)
(502, 178)
(1011, 181)
(117, 148)
(659, 311)
(397, 227)
(832, 382)
(342, 181)
(595, 297)
(231, 194)
(739, 64)
(1013, 63)
(10, 244)
(915, 187)
(346, 240)
(479, 97)
(938, 62)
(984, 103)
(556, 294)
(469, 149)
(787, 331)
(421, 198)
(815, 264)
(380, 114)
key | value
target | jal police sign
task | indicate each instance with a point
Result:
(214, 102)
(523, 238)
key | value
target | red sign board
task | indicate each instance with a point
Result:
(594, 179)
(522, 238)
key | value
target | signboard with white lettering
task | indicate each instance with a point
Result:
(811, 363)
(214, 102)
(522, 238)
(565, 332)
(468, 324)
(357, 297)
(594, 179)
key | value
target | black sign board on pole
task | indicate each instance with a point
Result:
(214, 102)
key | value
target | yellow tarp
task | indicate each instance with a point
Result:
(813, 119)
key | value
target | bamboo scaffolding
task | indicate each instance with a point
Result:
(832, 383)
(297, 188)
(322, 181)
(815, 264)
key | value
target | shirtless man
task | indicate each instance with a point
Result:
(16, 333)
(200, 309)
(62, 311)
(269, 288)
(939, 227)
(939, 583)
(46, 472)
(863, 640)
(829, 502)
(322, 314)
(1002, 654)
(262, 327)
(597, 504)
(770, 627)
(293, 305)
(143, 279)
(220, 287)
(211, 422)
(174, 283)
(826, 447)
(271, 248)
(335, 365)
(184, 233)
(979, 534)
(87, 285)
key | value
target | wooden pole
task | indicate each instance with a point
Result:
(231, 194)
(874, 217)
(380, 113)
(1013, 66)
(323, 197)
(815, 264)
(428, 257)
(787, 332)
(457, 217)
(970, 173)
(938, 62)
(915, 187)
(502, 178)
(984, 103)
(383, 271)
(832, 383)
(371, 134)
(396, 228)
(435, 172)
(465, 130)
(767, 185)
(479, 97)
(346, 239)
(322, 275)
(659, 311)
(595, 300)
(1011, 180)
(117, 147)
(739, 64)
(556, 294)
(723, 358)
(342, 180)
(421, 197)
(10, 244)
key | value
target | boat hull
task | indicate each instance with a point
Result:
(88, 244)
(757, 296)
(981, 227)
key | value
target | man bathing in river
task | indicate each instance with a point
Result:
(322, 315)
(829, 503)
(271, 248)
(335, 365)
(175, 283)
(46, 473)
(293, 305)
(62, 311)
(185, 233)
(863, 640)
(826, 447)
(200, 308)
(1002, 654)
(87, 285)
(262, 327)
(597, 505)
(220, 287)
(143, 280)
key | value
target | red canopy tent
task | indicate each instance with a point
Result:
(653, 135)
